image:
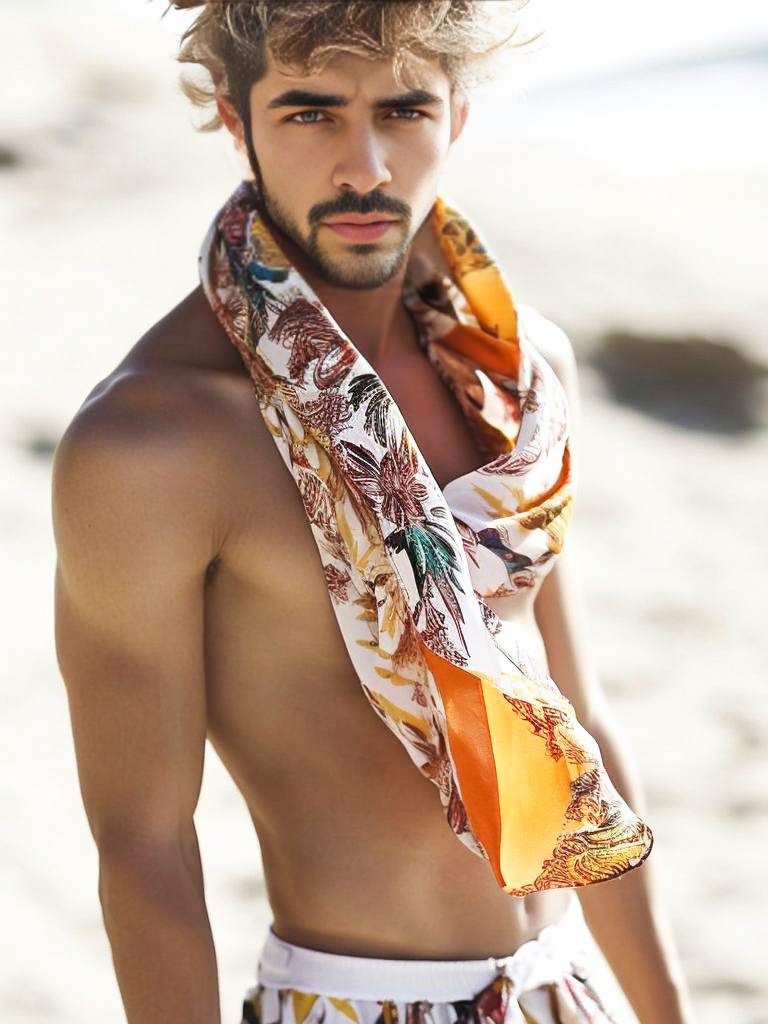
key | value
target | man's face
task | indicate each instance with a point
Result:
(347, 145)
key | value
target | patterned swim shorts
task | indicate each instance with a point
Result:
(549, 980)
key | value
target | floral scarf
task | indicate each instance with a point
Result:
(408, 566)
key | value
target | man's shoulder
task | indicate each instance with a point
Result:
(157, 435)
(175, 386)
(137, 413)
(129, 465)
(549, 339)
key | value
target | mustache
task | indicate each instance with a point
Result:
(349, 202)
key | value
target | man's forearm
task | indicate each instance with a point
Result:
(162, 947)
(634, 936)
(626, 918)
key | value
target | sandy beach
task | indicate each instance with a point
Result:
(656, 269)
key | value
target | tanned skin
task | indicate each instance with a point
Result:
(191, 602)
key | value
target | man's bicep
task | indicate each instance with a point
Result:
(129, 636)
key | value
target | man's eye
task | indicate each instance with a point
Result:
(409, 110)
(304, 114)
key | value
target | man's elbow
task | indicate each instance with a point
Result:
(137, 865)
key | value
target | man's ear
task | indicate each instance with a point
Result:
(231, 120)
(459, 113)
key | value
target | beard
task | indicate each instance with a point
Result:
(361, 265)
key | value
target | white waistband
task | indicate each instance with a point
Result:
(539, 961)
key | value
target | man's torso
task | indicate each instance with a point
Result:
(358, 857)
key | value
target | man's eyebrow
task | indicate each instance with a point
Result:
(302, 98)
(414, 98)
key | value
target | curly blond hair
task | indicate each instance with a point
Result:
(229, 38)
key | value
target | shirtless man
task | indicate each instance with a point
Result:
(190, 603)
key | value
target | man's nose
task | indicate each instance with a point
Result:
(362, 165)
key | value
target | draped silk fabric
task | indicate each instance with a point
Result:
(409, 566)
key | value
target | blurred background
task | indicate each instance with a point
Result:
(621, 177)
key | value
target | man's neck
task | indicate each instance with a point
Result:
(374, 319)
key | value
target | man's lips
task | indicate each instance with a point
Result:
(360, 229)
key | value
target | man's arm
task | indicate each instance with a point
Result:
(133, 538)
(625, 914)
